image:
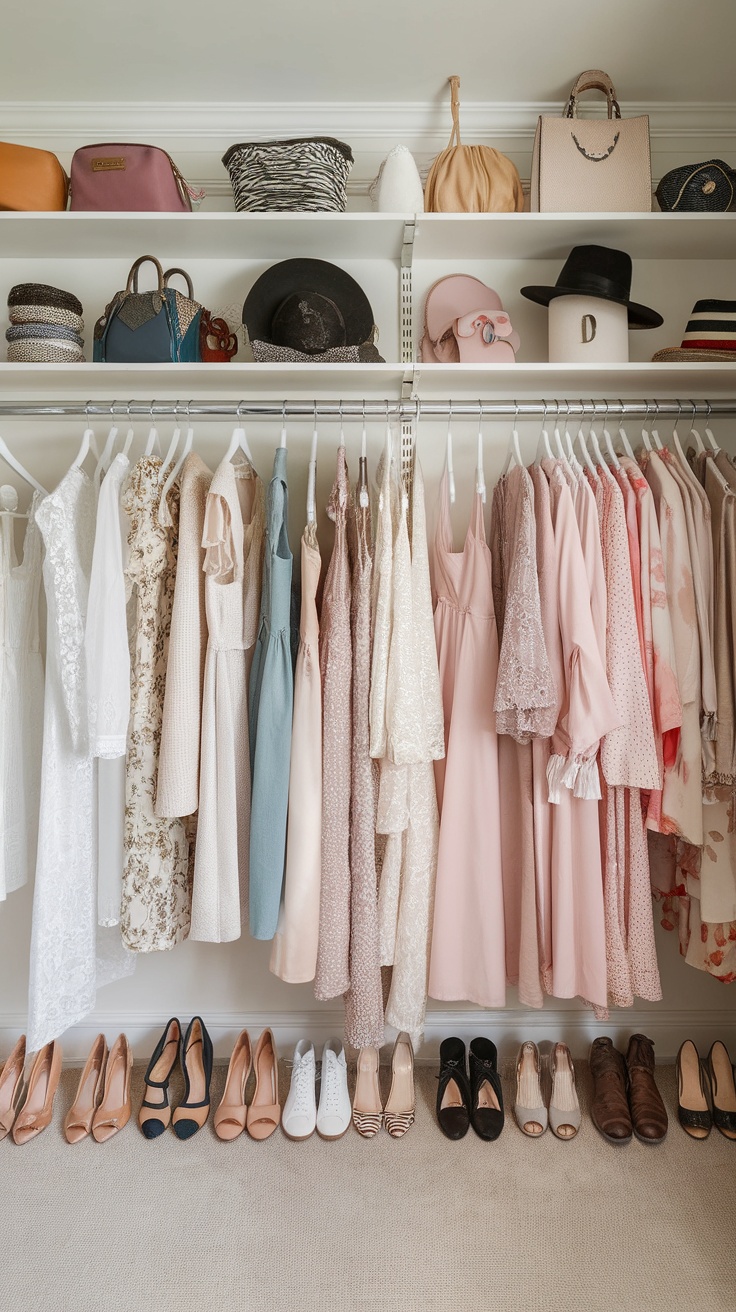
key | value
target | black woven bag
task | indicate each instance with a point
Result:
(701, 188)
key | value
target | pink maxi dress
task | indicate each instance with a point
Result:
(468, 960)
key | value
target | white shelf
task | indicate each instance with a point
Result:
(363, 236)
(151, 381)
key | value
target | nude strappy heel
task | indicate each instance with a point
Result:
(38, 1108)
(155, 1113)
(113, 1113)
(564, 1108)
(231, 1114)
(78, 1122)
(264, 1113)
(529, 1110)
(367, 1106)
(11, 1086)
(398, 1114)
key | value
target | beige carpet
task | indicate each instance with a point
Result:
(412, 1225)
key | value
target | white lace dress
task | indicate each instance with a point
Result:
(21, 699)
(70, 957)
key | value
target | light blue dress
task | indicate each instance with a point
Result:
(270, 708)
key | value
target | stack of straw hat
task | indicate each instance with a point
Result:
(46, 325)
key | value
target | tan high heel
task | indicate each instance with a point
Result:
(398, 1114)
(113, 1112)
(38, 1108)
(11, 1086)
(367, 1106)
(264, 1113)
(564, 1107)
(79, 1118)
(529, 1109)
(196, 1059)
(230, 1116)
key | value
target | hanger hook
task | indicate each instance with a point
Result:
(544, 416)
(655, 403)
(87, 405)
(710, 407)
(189, 412)
(516, 413)
(128, 409)
(112, 409)
(480, 418)
(695, 411)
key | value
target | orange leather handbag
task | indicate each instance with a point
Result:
(31, 179)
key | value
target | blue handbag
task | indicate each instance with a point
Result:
(157, 327)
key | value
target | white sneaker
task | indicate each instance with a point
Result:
(300, 1110)
(335, 1110)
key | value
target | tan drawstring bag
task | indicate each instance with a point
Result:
(471, 179)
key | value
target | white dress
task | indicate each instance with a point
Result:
(70, 957)
(21, 700)
(108, 685)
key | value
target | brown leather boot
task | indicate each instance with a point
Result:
(647, 1109)
(610, 1109)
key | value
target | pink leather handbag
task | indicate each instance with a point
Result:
(128, 177)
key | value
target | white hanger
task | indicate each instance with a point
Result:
(480, 478)
(105, 460)
(175, 471)
(568, 446)
(694, 434)
(514, 450)
(644, 433)
(677, 444)
(655, 435)
(609, 444)
(283, 426)
(557, 436)
(364, 498)
(623, 439)
(87, 444)
(173, 445)
(239, 441)
(18, 468)
(312, 476)
(153, 438)
(582, 446)
(342, 427)
(450, 472)
(544, 450)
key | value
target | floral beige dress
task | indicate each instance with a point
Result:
(156, 896)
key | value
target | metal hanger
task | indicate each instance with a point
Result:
(283, 427)
(480, 478)
(312, 476)
(363, 495)
(341, 443)
(239, 440)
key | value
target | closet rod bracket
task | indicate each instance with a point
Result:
(406, 316)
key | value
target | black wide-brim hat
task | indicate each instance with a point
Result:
(308, 305)
(602, 272)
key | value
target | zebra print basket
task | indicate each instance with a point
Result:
(307, 173)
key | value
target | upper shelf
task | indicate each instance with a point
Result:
(357, 236)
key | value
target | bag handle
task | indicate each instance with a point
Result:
(594, 79)
(182, 274)
(455, 106)
(132, 283)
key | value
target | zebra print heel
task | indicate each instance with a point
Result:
(367, 1105)
(398, 1115)
(367, 1123)
(399, 1124)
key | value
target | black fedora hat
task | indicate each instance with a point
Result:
(597, 271)
(309, 306)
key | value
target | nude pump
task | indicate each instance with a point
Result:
(78, 1121)
(155, 1112)
(367, 1105)
(264, 1113)
(398, 1114)
(114, 1110)
(196, 1061)
(231, 1114)
(38, 1108)
(11, 1086)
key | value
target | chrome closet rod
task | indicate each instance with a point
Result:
(374, 409)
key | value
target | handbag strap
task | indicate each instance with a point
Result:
(182, 274)
(455, 106)
(594, 79)
(132, 283)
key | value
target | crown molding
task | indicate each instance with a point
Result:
(420, 124)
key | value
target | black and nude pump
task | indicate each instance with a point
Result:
(693, 1110)
(155, 1113)
(723, 1090)
(196, 1063)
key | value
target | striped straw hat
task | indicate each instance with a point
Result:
(710, 334)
